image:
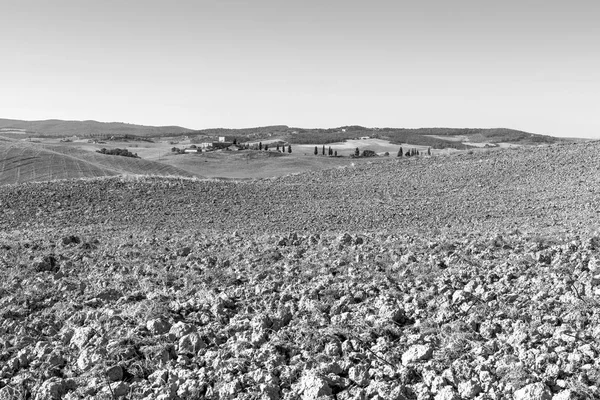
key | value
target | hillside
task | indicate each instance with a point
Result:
(25, 162)
(60, 128)
(439, 138)
(468, 276)
(535, 188)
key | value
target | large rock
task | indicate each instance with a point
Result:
(180, 329)
(534, 391)
(53, 388)
(190, 344)
(11, 393)
(447, 393)
(417, 352)
(114, 373)
(359, 374)
(469, 389)
(158, 326)
(47, 263)
(81, 336)
(313, 386)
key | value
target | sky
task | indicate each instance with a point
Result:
(523, 64)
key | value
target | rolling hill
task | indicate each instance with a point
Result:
(440, 138)
(27, 162)
(59, 128)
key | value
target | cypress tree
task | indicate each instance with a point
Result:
(400, 152)
(260, 145)
(290, 148)
(316, 151)
(323, 150)
(356, 152)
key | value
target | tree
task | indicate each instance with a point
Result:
(356, 152)
(260, 145)
(266, 147)
(335, 153)
(330, 151)
(316, 151)
(278, 147)
(400, 152)
(290, 148)
(429, 151)
(323, 150)
(234, 141)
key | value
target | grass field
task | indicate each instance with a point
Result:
(26, 162)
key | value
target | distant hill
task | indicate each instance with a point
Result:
(58, 128)
(433, 137)
(27, 162)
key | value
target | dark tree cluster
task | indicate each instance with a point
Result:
(118, 152)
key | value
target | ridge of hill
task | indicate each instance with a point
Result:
(432, 137)
(58, 128)
(25, 162)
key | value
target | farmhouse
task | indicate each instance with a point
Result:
(214, 145)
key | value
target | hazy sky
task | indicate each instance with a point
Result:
(522, 64)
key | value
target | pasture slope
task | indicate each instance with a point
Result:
(25, 162)
(469, 276)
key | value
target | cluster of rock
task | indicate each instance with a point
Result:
(299, 316)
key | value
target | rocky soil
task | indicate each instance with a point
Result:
(468, 277)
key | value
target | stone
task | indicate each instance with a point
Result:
(158, 326)
(48, 263)
(417, 352)
(261, 322)
(533, 391)
(359, 374)
(447, 393)
(120, 389)
(313, 386)
(71, 239)
(11, 393)
(114, 373)
(469, 389)
(53, 388)
(269, 391)
(159, 377)
(229, 389)
(179, 330)
(333, 349)
(81, 336)
(184, 251)
(190, 344)
(87, 359)
(565, 395)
